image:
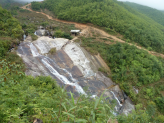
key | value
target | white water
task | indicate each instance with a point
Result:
(47, 64)
(24, 37)
(70, 75)
(22, 50)
(35, 33)
(117, 100)
(136, 90)
(79, 59)
(34, 51)
(44, 44)
(61, 77)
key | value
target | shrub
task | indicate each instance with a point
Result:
(24, 10)
(160, 103)
(34, 37)
(61, 34)
(24, 97)
(52, 51)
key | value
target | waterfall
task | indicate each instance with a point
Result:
(47, 63)
(116, 98)
(116, 107)
(24, 37)
(22, 50)
(69, 61)
(61, 77)
(35, 33)
(66, 71)
(34, 51)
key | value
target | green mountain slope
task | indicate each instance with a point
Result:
(9, 25)
(154, 14)
(24, 98)
(110, 14)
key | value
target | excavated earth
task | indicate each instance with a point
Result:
(73, 68)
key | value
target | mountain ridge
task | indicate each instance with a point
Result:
(152, 13)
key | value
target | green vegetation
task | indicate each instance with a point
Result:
(24, 97)
(36, 6)
(60, 34)
(34, 37)
(6, 3)
(10, 5)
(132, 67)
(113, 16)
(30, 21)
(10, 30)
(154, 14)
(9, 25)
(102, 69)
(52, 51)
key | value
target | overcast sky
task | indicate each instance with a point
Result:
(158, 4)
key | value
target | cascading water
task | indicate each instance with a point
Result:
(34, 51)
(116, 107)
(24, 37)
(46, 61)
(71, 66)
(61, 77)
(66, 71)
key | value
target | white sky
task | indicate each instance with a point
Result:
(158, 4)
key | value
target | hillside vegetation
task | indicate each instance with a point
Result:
(111, 15)
(132, 68)
(24, 98)
(154, 14)
(9, 25)
(9, 4)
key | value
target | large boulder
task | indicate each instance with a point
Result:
(42, 32)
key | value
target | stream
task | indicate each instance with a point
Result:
(73, 68)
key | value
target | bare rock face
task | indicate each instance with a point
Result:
(42, 32)
(72, 67)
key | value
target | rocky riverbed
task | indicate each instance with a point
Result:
(73, 68)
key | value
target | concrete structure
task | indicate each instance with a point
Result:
(75, 32)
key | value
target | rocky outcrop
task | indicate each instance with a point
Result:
(72, 67)
(42, 32)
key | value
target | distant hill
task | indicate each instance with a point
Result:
(111, 14)
(8, 4)
(154, 14)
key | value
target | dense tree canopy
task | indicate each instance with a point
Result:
(9, 25)
(112, 15)
(132, 67)
(154, 14)
(24, 97)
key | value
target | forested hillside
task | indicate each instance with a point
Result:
(9, 25)
(112, 16)
(24, 98)
(154, 14)
(9, 4)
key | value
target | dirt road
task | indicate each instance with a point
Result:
(85, 30)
